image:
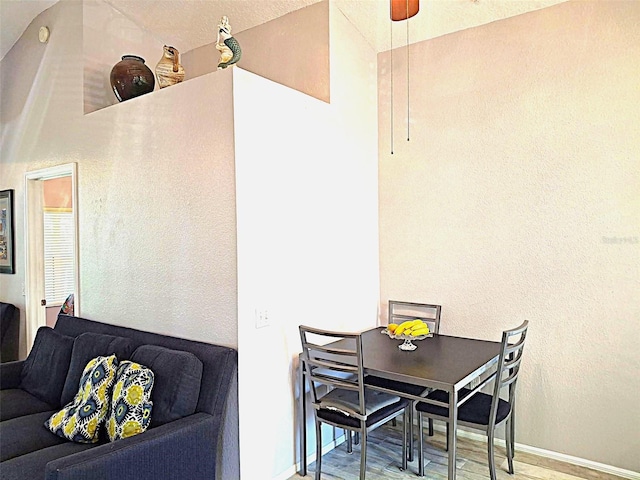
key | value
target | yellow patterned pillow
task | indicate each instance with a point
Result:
(80, 420)
(131, 404)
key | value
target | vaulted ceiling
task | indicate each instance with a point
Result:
(187, 24)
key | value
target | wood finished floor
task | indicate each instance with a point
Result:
(384, 453)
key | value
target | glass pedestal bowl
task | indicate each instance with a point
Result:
(407, 345)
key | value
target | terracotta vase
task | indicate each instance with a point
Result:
(169, 71)
(131, 78)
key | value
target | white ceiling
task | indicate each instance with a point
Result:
(187, 24)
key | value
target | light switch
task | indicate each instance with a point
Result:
(262, 318)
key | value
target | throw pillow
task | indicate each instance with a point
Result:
(90, 345)
(131, 404)
(80, 420)
(45, 369)
(177, 381)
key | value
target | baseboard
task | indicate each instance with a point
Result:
(310, 459)
(581, 462)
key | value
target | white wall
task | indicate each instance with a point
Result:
(156, 188)
(306, 180)
(517, 198)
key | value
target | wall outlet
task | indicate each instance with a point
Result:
(262, 318)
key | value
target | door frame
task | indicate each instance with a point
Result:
(34, 244)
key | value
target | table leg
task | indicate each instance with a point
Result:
(451, 434)
(302, 419)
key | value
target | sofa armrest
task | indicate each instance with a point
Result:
(10, 374)
(184, 448)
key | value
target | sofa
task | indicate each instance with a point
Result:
(9, 332)
(193, 428)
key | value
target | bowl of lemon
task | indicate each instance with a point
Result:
(408, 331)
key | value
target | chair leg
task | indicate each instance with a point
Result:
(349, 441)
(431, 427)
(356, 437)
(512, 426)
(318, 449)
(405, 420)
(410, 408)
(491, 454)
(363, 454)
(446, 448)
(509, 442)
(420, 447)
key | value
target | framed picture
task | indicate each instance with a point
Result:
(7, 262)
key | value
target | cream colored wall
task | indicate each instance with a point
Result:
(306, 179)
(156, 185)
(517, 198)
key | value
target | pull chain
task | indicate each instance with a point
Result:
(407, 70)
(391, 52)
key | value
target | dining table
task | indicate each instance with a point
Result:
(441, 362)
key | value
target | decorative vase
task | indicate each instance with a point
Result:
(169, 71)
(131, 78)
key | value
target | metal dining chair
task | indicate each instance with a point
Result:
(484, 411)
(399, 312)
(348, 404)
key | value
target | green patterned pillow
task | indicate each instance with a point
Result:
(131, 404)
(80, 420)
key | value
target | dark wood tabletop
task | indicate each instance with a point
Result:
(440, 361)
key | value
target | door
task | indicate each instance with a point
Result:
(51, 244)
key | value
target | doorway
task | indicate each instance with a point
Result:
(51, 245)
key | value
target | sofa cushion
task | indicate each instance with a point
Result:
(32, 466)
(177, 381)
(45, 369)
(91, 345)
(26, 434)
(131, 404)
(15, 402)
(81, 419)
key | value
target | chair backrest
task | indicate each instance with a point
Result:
(401, 311)
(508, 365)
(333, 359)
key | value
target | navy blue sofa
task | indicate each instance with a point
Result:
(9, 332)
(195, 435)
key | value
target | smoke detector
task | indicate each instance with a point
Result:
(43, 34)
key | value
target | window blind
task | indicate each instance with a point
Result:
(59, 269)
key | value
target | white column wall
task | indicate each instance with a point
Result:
(306, 188)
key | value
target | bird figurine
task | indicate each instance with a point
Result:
(169, 71)
(228, 46)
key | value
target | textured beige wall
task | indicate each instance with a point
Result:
(517, 198)
(156, 185)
